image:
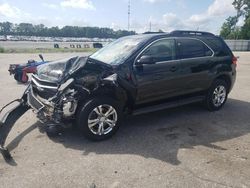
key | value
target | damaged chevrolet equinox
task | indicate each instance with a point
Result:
(132, 75)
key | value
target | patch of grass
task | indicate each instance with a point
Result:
(1, 50)
(48, 50)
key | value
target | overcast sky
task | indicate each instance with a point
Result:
(167, 15)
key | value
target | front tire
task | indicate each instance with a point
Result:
(99, 118)
(217, 95)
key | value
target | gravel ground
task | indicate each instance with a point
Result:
(181, 147)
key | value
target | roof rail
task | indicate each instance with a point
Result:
(151, 32)
(197, 33)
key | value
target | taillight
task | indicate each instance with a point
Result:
(234, 60)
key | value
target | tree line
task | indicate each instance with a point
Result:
(28, 29)
(230, 28)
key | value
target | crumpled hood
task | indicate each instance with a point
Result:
(55, 71)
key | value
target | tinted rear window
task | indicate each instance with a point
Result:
(219, 46)
(192, 48)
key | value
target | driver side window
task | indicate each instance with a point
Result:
(163, 50)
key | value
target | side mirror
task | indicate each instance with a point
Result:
(145, 60)
(41, 57)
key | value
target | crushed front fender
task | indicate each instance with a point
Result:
(7, 122)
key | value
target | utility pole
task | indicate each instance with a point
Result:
(129, 13)
(150, 26)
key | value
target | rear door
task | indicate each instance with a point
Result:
(158, 80)
(196, 60)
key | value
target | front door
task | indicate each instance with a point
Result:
(159, 79)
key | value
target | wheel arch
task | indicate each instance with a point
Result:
(112, 92)
(226, 78)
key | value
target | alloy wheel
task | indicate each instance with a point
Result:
(219, 95)
(102, 119)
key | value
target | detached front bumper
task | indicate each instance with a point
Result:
(13, 111)
(8, 121)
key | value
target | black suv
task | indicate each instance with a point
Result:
(132, 75)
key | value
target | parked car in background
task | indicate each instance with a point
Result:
(97, 45)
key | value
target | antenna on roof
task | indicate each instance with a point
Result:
(129, 13)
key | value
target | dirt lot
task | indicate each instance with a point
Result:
(181, 147)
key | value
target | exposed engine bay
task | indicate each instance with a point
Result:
(56, 91)
(57, 108)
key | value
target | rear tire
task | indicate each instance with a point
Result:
(99, 118)
(217, 95)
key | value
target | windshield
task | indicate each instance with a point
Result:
(117, 51)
